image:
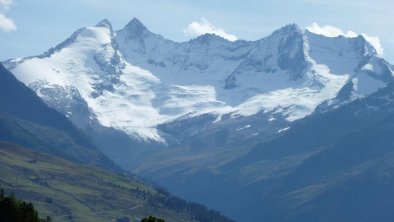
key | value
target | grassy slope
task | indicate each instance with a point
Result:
(71, 192)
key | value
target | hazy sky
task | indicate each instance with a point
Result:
(30, 27)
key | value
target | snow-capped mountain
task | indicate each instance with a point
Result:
(133, 80)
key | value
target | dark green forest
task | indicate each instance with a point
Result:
(152, 219)
(16, 210)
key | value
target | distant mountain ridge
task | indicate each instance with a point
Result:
(289, 73)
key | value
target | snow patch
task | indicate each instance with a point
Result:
(283, 130)
(367, 67)
(242, 128)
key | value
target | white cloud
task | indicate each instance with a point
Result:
(332, 31)
(196, 28)
(375, 42)
(6, 24)
(329, 31)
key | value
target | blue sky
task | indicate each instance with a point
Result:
(37, 25)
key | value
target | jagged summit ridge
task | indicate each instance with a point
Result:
(105, 23)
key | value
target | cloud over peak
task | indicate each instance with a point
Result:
(332, 31)
(197, 28)
(329, 31)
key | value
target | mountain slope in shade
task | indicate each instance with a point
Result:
(352, 167)
(335, 165)
(26, 120)
(22, 102)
